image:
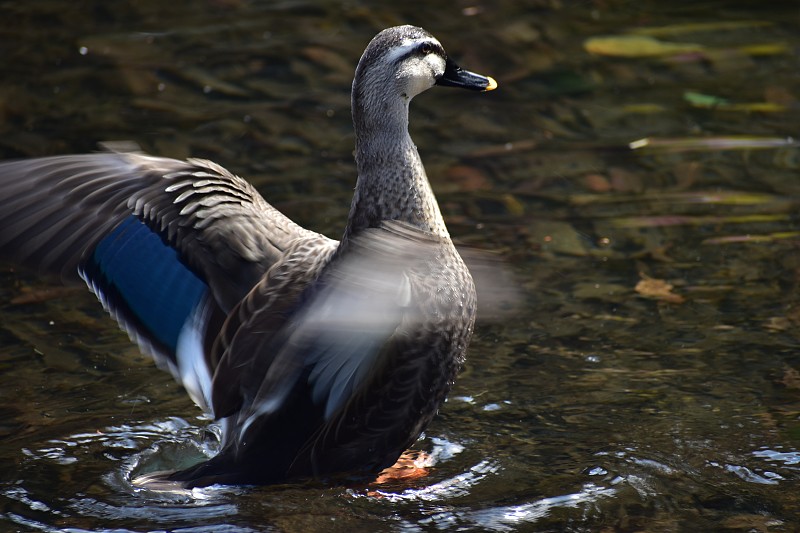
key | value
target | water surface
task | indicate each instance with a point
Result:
(648, 375)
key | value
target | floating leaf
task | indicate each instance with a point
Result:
(703, 100)
(513, 205)
(767, 238)
(756, 107)
(637, 46)
(765, 49)
(730, 142)
(684, 220)
(657, 289)
(597, 182)
(771, 201)
(730, 198)
(644, 108)
(706, 100)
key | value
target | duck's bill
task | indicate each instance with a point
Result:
(455, 76)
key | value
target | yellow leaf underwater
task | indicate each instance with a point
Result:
(657, 289)
(753, 239)
(636, 46)
(696, 99)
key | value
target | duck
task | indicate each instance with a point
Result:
(318, 358)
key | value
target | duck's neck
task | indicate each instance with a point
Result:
(392, 184)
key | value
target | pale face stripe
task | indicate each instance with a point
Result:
(406, 47)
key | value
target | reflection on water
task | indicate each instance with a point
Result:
(508, 518)
(171, 443)
(648, 377)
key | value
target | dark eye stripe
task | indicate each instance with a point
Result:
(429, 48)
(422, 49)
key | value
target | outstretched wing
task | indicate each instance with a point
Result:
(168, 246)
(55, 210)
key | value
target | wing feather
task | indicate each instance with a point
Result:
(222, 228)
(168, 246)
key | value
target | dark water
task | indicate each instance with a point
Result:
(596, 403)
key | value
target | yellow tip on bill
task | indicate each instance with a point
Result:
(492, 84)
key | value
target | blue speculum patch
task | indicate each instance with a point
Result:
(144, 280)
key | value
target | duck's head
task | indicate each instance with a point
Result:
(403, 61)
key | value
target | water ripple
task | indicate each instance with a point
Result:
(508, 518)
(787, 458)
